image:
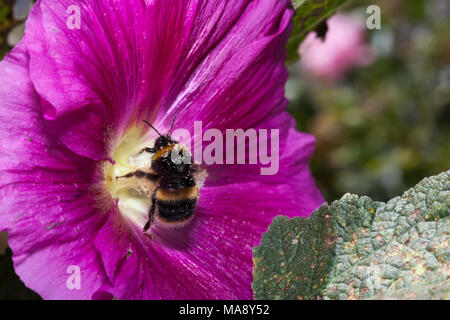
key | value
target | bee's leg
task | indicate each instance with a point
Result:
(140, 174)
(151, 212)
(149, 150)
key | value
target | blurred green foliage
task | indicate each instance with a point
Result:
(383, 128)
(6, 24)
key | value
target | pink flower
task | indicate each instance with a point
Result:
(343, 48)
(73, 100)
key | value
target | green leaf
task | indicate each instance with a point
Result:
(434, 291)
(309, 14)
(356, 248)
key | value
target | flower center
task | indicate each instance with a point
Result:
(133, 194)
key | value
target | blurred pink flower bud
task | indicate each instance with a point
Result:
(343, 48)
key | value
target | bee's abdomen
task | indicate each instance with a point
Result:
(175, 206)
(176, 211)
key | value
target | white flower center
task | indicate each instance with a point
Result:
(133, 194)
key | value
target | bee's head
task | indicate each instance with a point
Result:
(162, 141)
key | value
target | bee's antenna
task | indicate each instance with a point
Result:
(173, 122)
(148, 123)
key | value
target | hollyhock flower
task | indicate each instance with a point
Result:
(73, 95)
(344, 48)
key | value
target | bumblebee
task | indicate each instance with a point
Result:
(175, 195)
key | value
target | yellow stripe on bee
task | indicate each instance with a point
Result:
(163, 151)
(176, 195)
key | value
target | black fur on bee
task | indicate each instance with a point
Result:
(175, 195)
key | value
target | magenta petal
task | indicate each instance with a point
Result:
(88, 78)
(241, 81)
(43, 193)
(119, 64)
(141, 268)
(206, 56)
(295, 154)
(295, 151)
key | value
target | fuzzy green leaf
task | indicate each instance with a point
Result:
(356, 248)
(309, 14)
